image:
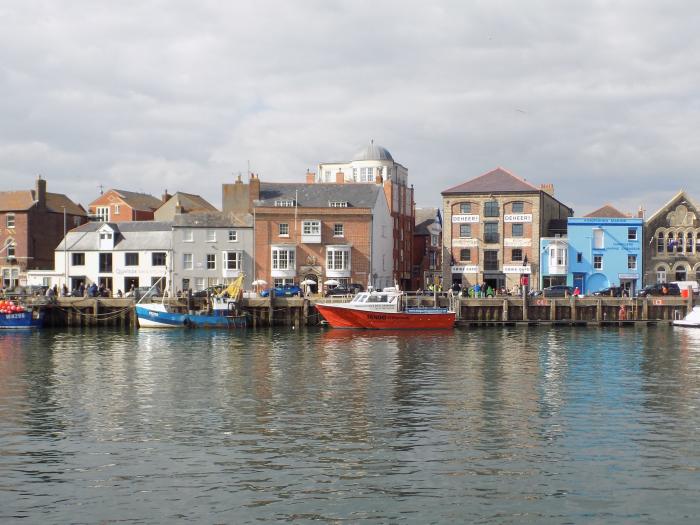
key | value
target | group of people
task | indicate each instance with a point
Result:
(482, 290)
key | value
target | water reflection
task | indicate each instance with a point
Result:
(484, 425)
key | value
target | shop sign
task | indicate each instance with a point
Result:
(628, 276)
(465, 243)
(516, 269)
(517, 242)
(465, 269)
(465, 218)
(518, 217)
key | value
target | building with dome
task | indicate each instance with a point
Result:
(374, 164)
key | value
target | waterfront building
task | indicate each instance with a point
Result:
(374, 165)
(181, 203)
(123, 206)
(316, 232)
(672, 241)
(211, 248)
(427, 249)
(117, 255)
(554, 261)
(495, 222)
(605, 249)
(32, 223)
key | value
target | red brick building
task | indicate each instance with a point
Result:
(316, 232)
(427, 248)
(120, 206)
(31, 227)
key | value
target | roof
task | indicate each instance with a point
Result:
(213, 220)
(24, 199)
(424, 218)
(320, 195)
(608, 211)
(139, 201)
(373, 152)
(497, 180)
(129, 236)
(664, 209)
(191, 203)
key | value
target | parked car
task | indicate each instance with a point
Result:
(288, 290)
(660, 289)
(610, 291)
(684, 285)
(350, 289)
(212, 290)
(143, 292)
(559, 290)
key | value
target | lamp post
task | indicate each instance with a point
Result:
(65, 250)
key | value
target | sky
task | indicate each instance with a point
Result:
(600, 98)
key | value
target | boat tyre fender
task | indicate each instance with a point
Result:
(187, 322)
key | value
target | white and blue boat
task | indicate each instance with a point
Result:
(19, 320)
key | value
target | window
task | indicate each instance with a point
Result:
(491, 209)
(102, 213)
(338, 204)
(116, 209)
(232, 236)
(105, 263)
(631, 234)
(211, 261)
(517, 230)
(697, 243)
(434, 239)
(284, 230)
(78, 259)
(465, 207)
(516, 254)
(660, 243)
(679, 243)
(131, 259)
(311, 227)
(105, 236)
(338, 259)
(518, 207)
(10, 220)
(689, 243)
(158, 259)
(366, 175)
(465, 230)
(232, 260)
(465, 254)
(338, 230)
(631, 262)
(283, 259)
(187, 261)
(199, 284)
(187, 235)
(598, 239)
(11, 250)
(660, 274)
(491, 232)
(579, 257)
(185, 285)
(597, 262)
(490, 260)
(211, 235)
(284, 203)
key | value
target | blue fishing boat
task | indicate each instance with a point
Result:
(25, 319)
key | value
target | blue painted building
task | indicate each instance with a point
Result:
(554, 261)
(605, 249)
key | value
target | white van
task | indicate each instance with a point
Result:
(684, 285)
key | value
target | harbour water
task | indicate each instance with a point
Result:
(512, 425)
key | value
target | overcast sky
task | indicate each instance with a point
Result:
(600, 98)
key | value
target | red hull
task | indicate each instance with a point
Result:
(339, 317)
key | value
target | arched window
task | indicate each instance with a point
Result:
(660, 274)
(679, 243)
(689, 243)
(697, 242)
(660, 243)
(670, 243)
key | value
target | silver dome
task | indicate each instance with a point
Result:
(373, 152)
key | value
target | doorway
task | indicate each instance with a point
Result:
(311, 288)
(496, 281)
(579, 279)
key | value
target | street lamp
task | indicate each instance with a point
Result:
(65, 250)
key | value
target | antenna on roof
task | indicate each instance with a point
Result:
(101, 189)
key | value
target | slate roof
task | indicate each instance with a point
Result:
(608, 211)
(139, 201)
(129, 236)
(424, 218)
(213, 220)
(22, 200)
(319, 195)
(497, 180)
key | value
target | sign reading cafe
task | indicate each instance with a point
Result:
(465, 218)
(516, 269)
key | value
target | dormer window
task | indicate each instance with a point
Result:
(284, 203)
(338, 204)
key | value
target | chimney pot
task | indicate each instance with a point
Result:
(340, 178)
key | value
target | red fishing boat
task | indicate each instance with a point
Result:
(385, 310)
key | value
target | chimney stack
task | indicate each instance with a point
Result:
(40, 192)
(253, 191)
(165, 197)
(340, 178)
(641, 212)
(378, 179)
(547, 188)
(310, 177)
